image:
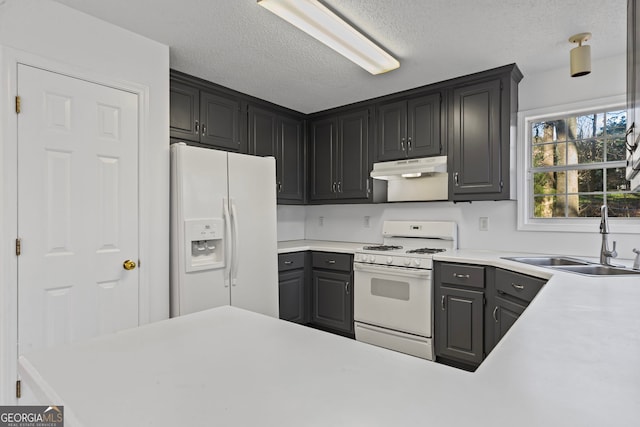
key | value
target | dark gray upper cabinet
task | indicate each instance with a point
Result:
(184, 104)
(201, 115)
(409, 128)
(220, 121)
(290, 159)
(481, 114)
(339, 151)
(280, 136)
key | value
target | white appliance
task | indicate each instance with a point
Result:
(223, 231)
(393, 285)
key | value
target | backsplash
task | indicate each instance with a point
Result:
(349, 223)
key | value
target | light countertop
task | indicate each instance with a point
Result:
(319, 245)
(572, 359)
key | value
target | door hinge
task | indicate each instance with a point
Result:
(17, 104)
(18, 389)
(18, 247)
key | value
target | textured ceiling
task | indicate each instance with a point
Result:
(238, 44)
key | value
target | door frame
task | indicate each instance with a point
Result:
(9, 60)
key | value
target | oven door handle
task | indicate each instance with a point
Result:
(391, 270)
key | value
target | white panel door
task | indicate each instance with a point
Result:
(77, 209)
(254, 265)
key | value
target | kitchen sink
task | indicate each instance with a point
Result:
(549, 261)
(574, 265)
(596, 270)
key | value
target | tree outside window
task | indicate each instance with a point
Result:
(578, 164)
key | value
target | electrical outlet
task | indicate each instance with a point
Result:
(367, 222)
(483, 224)
(321, 221)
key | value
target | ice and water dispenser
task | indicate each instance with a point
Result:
(204, 240)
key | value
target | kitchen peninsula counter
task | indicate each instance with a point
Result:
(570, 360)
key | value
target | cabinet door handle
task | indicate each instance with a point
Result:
(517, 286)
(409, 144)
(339, 186)
(346, 287)
(368, 187)
(495, 314)
(204, 129)
(461, 276)
(197, 127)
(288, 262)
(402, 144)
(331, 261)
(442, 302)
(333, 187)
(279, 187)
(456, 179)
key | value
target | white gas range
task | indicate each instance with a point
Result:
(393, 286)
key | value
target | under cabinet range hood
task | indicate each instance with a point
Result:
(413, 180)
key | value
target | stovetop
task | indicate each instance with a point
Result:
(410, 244)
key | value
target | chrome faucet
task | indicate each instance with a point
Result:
(605, 253)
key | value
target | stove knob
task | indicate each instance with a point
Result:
(356, 257)
(389, 260)
(372, 258)
(416, 262)
(407, 261)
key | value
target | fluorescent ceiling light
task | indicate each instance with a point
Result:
(319, 22)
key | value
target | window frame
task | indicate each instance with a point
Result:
(526, 221)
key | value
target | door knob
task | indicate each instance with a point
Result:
(129, 265)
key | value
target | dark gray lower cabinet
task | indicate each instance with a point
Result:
(291, 294)
(459, 314)
(460, 327)
(332, 291)
(510, 294)
(504, 315)
(474, 308)
(293, 289)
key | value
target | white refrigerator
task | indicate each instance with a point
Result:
(223, 231)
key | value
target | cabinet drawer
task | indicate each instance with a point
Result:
(518, 285)
(332, 261)
(290, 261)
(463, 275)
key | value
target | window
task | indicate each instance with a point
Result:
(574, 162)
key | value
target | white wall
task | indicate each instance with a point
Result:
(556, 87)
(60, 35)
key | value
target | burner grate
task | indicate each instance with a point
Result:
(425, 251)
(381, 248)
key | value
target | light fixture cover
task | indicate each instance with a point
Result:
(321, 23)
(580, 57)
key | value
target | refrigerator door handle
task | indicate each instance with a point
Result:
(234, 257)
(227, 241)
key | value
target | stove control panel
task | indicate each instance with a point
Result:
(397, 261)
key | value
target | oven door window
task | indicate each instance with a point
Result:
(390, 289)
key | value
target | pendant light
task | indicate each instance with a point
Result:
(581, 55)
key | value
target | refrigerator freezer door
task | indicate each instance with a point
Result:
(199, 186)
(252, 194)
